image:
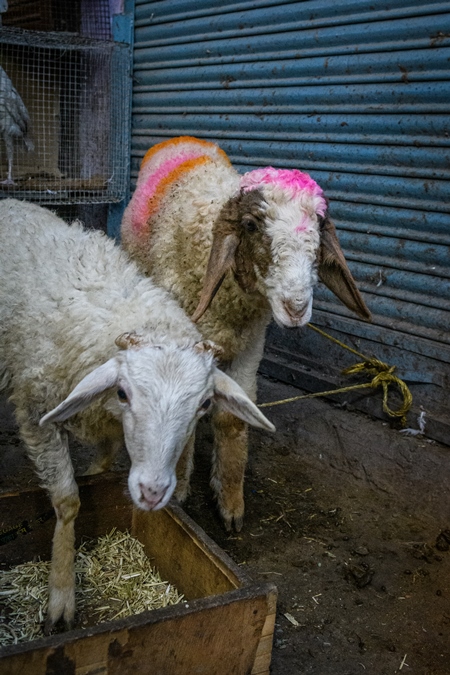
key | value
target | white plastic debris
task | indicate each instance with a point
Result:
(421, 421)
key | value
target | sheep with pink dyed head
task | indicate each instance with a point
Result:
(234, 250)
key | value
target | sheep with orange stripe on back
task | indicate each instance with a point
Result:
(245, 248)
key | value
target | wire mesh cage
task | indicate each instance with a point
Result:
(64, 106)
(87, 18)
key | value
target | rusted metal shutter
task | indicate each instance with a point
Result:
(357, 94)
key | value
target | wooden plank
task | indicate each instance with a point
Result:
(184, 555)
(27, 520)
(199, 643)
(263, 655)
(225, 619)
(196, 638)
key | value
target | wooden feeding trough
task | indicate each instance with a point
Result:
(224, 625)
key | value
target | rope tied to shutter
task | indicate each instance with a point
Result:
(382, 376)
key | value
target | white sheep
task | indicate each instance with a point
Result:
(191, 220)
(79, 324)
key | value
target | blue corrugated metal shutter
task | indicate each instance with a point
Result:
(357, 94)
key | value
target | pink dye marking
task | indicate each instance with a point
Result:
(292, 180)
(147, 190)
(303, 224)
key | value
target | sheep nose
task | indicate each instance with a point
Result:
(295, 309)
(151, 496)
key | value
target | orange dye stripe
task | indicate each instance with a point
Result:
(154, 201)
(182, 139)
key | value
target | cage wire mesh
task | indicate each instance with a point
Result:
(87, 18)
(64, 108)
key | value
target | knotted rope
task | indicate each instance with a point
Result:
(382, 376)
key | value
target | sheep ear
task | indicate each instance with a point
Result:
(334, 271)
(85, 392)
(221, 259)
(234, 400)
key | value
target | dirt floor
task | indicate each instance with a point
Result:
(349, 518)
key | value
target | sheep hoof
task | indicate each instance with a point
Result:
(232, 523)
(68, 625)
(94, 469)
(61, 608)
(182, 491)
(238, 523)
(49, 625)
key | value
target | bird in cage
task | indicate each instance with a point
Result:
(14, 122)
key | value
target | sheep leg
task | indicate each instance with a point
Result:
(230, 449)
(61, 603)
(184, 470)
(49, 450)
(107, 451)
(229, 461)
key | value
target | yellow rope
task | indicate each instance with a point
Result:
(336, 341)
(382, 376)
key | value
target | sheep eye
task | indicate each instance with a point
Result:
(122, 395)
(250, 225)
(205, 405)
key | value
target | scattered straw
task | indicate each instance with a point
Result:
(114, 579)
(292, 619)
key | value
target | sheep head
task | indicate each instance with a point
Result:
(275, 235)
(158, 392)
(133, 340)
